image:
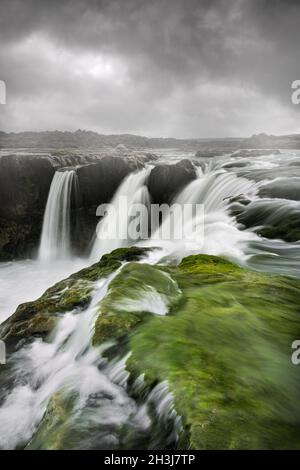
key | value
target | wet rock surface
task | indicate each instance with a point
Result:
(25, 180)
(167, 180)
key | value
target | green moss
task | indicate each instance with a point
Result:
(207, 264)
(39, 317)
(110, 262)
(225, 352)
(132, 296)
(53, 432)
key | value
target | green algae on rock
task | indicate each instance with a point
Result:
(39, 317)
(138, 291)
(225, 353)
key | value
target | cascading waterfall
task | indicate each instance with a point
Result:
(55, 238)
(133, 191)
(220, 232)
(216, 233)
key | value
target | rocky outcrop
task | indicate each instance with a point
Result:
(25, 181)
(24, 187)
(98, 181)
(210, 153)
(269, 218)
(165, 181)
(282, 188)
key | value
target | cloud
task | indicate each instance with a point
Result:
(161, 67)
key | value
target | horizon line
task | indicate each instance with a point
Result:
(142, 136)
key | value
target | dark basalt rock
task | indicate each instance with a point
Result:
(282, 188)
(24, 185)
(98, 181)
(239, 164)
(274, 219)
(166, 180)
(210, 153)
(25, 180)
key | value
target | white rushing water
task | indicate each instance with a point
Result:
(55, 239)
(69, 366)
(133, 191)
(216, 232)
(50, 366)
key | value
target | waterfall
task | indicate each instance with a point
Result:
(55, 239)
(132, 189)
(215, 232)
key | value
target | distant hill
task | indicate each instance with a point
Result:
(93, 140)
(264, 141)
(89, 139)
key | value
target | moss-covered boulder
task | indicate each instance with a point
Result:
(224, 348)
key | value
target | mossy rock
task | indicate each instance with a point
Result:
(110, 262)
(224, 350)
(137, 292)
(39, 317)
(54, 427)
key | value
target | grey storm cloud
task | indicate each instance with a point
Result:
(162, 67)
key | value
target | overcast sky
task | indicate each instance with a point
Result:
(181, 68)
